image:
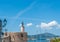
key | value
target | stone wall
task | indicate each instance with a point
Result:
(16, 37)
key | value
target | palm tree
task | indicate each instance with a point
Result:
(2, 24)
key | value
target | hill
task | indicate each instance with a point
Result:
(42, 36)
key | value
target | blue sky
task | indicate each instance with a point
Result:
(34, 14)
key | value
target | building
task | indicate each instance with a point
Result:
(15, 36)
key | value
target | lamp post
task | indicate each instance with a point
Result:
(2, 24)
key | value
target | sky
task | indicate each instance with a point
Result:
(39, 16)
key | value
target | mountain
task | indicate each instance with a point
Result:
(42, 36)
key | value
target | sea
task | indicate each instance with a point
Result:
(39, 40)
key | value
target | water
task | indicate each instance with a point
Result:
(38, 41)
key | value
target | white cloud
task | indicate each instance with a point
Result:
(52, 23)
(29, 24)
(49, 25)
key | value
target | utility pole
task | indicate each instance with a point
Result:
(2, 24)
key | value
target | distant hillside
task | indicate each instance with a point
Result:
(42, 36)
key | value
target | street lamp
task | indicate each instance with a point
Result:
(2, 24)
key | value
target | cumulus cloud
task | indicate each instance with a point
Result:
(49, 25)
(29, 24)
